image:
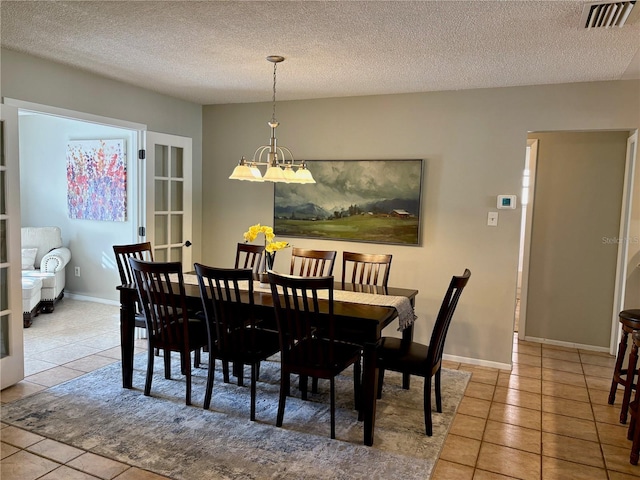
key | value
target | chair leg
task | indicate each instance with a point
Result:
(284, 389)
(357, 386)
(314, 384)
(633, 432)
(635, 446)
(438, 396)
(147, 383)
(631, 370)
(622, 349)
(225, 371)
(196, 358)
(187, 369)
(167, 363)
(239, 369)
(406, 380)
(380, 381)
(357, 382)
(209, 388)
(254, 373)
(427, 406)
(303, 387)
(332, 388)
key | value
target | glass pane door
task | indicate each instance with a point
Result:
(169, 218)
(11, 346)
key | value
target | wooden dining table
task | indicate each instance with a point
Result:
(356, 322)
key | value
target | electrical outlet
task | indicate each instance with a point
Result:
(76, 270)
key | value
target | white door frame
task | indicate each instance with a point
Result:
(623, 240)
(524, 286)
(12, 365)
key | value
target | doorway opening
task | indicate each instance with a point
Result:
(567, 263)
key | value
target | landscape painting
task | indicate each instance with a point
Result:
(375, 201)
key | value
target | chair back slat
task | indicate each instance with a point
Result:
(312, 263)
(227, 299)
(301, 310)
(164, 307)
(366, 268)
(250, 256)
(445, 314)
(139, 251)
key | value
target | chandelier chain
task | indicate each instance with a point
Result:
(273, 115)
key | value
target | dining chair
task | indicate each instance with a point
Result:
(300, 313)
(366, 268)
(633, 432)
(168, 324)
(233, 331)
(249, 255)
(312, 263)
(423, 360)
(141, 251)
(624, 375)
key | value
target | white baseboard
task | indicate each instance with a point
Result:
(75, 296)
(478, 362)
(558, 343)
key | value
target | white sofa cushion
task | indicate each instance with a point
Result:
(47, 280)
(29, 258)
(44, 238)
(31, 288)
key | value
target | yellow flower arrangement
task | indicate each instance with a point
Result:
(270, 246)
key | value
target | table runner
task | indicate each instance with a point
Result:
(406, 315)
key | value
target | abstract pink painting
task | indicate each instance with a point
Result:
(97, 180)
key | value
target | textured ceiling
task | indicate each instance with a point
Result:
(214, 52)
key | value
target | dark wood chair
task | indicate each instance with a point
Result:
(423, 360)
(300, 314)
(168, 324)
(633, 433)
(312, 263)
(231, 319)
(630, 323)
(366, 268)
(140, 251)
(249, 256)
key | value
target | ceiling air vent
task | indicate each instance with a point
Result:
(605, 14)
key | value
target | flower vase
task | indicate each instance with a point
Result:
(268, 265)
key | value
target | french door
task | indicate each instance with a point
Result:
(169, 194)
(11, 346)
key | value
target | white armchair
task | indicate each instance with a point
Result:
(49, 261)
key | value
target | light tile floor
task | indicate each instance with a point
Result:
(546, 419)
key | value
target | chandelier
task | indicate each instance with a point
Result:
(281, 167)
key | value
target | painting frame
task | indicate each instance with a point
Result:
(97, 179)
(370, 201)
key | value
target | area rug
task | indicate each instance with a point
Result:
(163, 435)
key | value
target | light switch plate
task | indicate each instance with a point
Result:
(492, 219)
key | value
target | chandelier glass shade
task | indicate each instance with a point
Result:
(281, 166)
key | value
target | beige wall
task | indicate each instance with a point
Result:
(576, 224)
(473, 143)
